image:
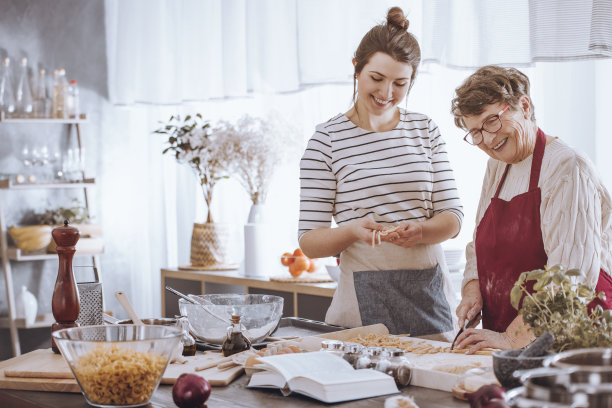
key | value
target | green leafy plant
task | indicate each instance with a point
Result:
(77, 214)
(558, 304)
(193, 142)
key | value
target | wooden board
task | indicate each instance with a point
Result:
(43, 370)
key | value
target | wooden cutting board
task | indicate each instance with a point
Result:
(43, 370)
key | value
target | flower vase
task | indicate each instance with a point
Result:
(210, 246)
(256, 254)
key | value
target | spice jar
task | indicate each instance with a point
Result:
(399, 367)
(332, 346)
(364, 359)
(235, 341)
(383, 362)
(375, 353)
(352, 352)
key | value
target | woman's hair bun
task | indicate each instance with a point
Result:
(396, 17)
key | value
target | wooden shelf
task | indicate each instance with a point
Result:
(81, 119)
(16, 254)
(8, 184)
(44, 320)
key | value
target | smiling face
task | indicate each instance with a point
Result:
(382, 84)
(515, 141)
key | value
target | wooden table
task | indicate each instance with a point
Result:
(307, 300)
(233, 396)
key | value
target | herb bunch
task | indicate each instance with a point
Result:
(558, 304)
(77, 214)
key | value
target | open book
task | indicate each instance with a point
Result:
(320, 375)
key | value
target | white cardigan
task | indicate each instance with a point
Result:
(575, 210)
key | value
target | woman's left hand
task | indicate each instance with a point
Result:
(409, 234)
(481, 338)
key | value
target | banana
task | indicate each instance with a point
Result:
(32, 237)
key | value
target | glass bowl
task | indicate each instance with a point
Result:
(209, 321)
(117, 365)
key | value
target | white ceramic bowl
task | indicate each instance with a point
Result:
(260, 315)
(334, 272)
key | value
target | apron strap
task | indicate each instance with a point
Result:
(501, 182)
(536, 164)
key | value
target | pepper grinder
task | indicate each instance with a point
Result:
(65, 300)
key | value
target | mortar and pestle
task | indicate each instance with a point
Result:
(506, 362)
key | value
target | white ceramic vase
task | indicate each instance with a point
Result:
(26, 306)
(256, 253)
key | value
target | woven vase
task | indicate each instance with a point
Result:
(210, 244)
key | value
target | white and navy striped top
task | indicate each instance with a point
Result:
(399, 175)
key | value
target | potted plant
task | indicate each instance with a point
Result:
(193, 142)
(561, 306)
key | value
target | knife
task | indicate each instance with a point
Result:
(468, 324)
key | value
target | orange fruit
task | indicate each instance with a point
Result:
(295, 272)
(301, 263)
(286, 259)
(313, 265)
(298, 252)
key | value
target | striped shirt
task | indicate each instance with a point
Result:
(403, 174)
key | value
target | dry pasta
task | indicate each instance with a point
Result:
(409, 345)
(119, 376)
(377, 234)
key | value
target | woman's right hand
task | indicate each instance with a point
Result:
(471, 302)
(361, 229)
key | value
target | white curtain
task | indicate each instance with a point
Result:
(473, 33)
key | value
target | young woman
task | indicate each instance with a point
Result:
(379, 168)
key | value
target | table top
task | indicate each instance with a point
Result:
(235, 395)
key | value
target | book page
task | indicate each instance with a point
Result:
(307, 364)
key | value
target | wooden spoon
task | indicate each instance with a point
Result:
(127, 306)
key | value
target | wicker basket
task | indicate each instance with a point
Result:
(210, 244)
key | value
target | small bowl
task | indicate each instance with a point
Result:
(333, 271)
(259, 314)
(506, 362)
(117, 365)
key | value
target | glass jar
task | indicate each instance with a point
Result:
(400, 368)
(332, 346)
(383, 363)
(375, 353)
(364, 360)
(352, 352)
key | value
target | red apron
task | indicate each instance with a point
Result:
(509, 242)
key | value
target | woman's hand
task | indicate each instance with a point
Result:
(407, 235)
(481, 338)
(471, 302)
(361, 229)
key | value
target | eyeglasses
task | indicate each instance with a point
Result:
(491, 125)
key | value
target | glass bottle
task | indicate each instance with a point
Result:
(364, 360)
(42, 99)
(60, 88)
(23, 95)
(72, 100)
(189, 343)
(7, 97)
(235, 341)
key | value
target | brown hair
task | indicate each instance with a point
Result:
(392, 39)
(489, 85)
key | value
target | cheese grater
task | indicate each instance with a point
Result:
(90, 301)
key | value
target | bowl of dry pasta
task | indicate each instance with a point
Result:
(117, 365)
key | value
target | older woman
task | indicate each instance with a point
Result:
(542, 203)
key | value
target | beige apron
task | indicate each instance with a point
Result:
(403, 288)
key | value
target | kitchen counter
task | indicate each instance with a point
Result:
(233, 396)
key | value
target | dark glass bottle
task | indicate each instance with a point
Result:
(235, 341)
